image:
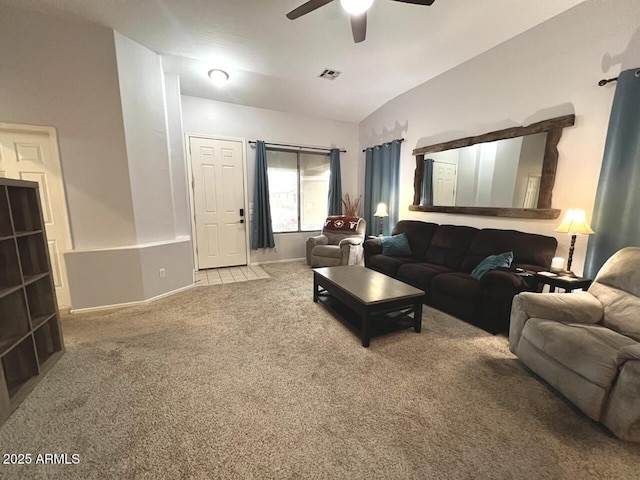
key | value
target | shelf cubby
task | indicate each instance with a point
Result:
(41, 300)
(30, 332)
(19, 365)
(47, 338)
(9, 266)
(33, 255)
(6, 229)
(25, 209)
(14, 322)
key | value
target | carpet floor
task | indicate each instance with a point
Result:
(254, 380)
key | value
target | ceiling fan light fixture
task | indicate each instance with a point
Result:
(218, 77)
(356, 7)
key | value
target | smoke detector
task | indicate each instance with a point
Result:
(330, 74)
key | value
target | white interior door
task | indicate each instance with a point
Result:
(445, 178)
(533, 191)
(218, 200)
(31, 154)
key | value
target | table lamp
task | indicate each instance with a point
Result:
(574, 223)
(381, 212)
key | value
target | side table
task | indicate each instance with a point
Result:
(567, 282)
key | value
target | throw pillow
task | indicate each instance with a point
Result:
(396, 245)
(492, 262)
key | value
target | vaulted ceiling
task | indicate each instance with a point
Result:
(275, 62)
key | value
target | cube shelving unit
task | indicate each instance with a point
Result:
(30, 333)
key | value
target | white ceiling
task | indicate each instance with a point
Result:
(275, 62)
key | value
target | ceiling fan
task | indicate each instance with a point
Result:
(357, 10)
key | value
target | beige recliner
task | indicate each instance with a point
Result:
(340, 242)
(587, 344)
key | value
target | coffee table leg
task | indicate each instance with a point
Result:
(417, 316)
(366, 329)
(315, 289)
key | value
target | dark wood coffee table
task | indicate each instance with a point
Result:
(371, 303)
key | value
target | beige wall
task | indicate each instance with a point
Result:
(62, 73)
(209, 117)
(548, 71)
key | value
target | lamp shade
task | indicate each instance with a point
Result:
(575, 223)
(381, 211)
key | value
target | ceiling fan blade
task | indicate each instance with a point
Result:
(417, 2)
(359, 27)
(305, 8)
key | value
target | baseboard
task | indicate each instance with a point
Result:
(130, 304)
(280, 261)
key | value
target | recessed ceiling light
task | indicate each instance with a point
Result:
(218, 77)
(356, 7)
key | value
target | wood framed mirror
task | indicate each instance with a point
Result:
(506, 173)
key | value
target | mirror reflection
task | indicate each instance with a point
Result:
(504, 173)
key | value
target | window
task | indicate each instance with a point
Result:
(298, 190)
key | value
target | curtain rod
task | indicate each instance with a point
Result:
(300, 147)
(385, 143)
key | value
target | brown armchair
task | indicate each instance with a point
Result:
(339, 244)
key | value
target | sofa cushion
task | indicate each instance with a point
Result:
(458, 285)
(586, 349)
(530, 251)
(397, 245)
(419, 235)
(420, 274)
(388, 265)
(491, 263)
(450, 245)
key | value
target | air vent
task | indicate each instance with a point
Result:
(330, 74)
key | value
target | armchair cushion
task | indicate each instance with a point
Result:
(591, 351)
(330, 251)
(579, 307)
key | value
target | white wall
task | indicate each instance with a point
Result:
(181, 209)
(145, 125)
(62, 73)
(548, 71)
(208, 117)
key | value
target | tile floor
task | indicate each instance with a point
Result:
(218, 276)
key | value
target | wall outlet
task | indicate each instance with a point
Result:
(162, 273)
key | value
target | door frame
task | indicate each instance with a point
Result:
(52, 134)
(191, 182)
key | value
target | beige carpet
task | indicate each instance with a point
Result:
(254, 380)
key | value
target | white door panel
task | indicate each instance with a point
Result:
(32, 156)
(218, 197)
(445, 178)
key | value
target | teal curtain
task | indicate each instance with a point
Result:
(261, 230)
(382, 184)
(426, 197)
(615, 216)
(334, 204)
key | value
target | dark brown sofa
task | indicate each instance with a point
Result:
(443, 257)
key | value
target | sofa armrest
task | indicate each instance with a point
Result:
(504, 279)
(312, 242)
(580, 307)
(372, 246)
(351, 241)
(631, 352)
